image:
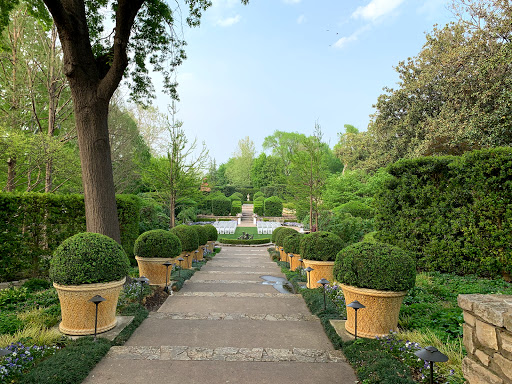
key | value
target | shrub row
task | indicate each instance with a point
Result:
(221, 206)
(32, 225)
(236, 207)
(263, 240)
(455, 212)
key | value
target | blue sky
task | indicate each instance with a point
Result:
(286, 64)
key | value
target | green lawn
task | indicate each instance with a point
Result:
(250, 230)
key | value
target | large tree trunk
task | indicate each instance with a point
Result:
(91, 115)
(11, 174)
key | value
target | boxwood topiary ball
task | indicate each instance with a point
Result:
(320, 246)
(188, 237)
(202, 236)
(275, 232)
(88, 258)
(376, 266)
(291, 243)
(282, 234)
(211, 231)
(157, 243)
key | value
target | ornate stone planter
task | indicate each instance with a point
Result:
(321, 270)
(295, 263)
(211, 245)
(187, 257)
(380, 315)
(154, 270)
(200, 253)
(78, 313)
(282, 254)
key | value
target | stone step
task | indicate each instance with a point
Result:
(186, 353)
(232, 316)
(236, 294)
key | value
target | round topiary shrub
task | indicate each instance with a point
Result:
(211, 232)
(88, 258)
(357, 209)
(376, 266)
(291, 243)
(202, 235)
(282, 234)
(188, 237)
(320, 246)
(157, 243)
(275, 232)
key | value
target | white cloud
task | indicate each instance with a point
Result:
(341, 43)
(229, 21)
(376, 9)
(292, 1)
(301, 19)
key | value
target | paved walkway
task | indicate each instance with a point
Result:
(247, 212)
(225, 326)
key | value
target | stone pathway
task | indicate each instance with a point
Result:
(225, 326)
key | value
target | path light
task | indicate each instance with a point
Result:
(324, 282)
(179, 270)
(432, 355)
(96, 300)
(141, 280)
(196, 252)
(356, 305)
(301, 264)
(291, 258)
(308, 270)
(167, 265)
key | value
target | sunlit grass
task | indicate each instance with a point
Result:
(33, 334)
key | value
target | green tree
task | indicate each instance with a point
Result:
(267, 170)
(284, 145)
(238, 170)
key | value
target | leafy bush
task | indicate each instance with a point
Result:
(202, 235)
(157, 243)
(236, 196)
(87, 258)
(349, 228)
(320, 246)
(258, 206)
(455, 212)
(153, 215)
(375, 266)
(257, 195)
(282, 234)
(275, 232)
(188, 237)
(263, 240)
(357, 209)
(273, 206)
(9, 323)
(291, 243)
(221, 206)
(35, 285)
(236, 207)
(211, 232)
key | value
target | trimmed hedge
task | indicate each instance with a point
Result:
(263, 240)
(258, 206)
(88, 258)
(282, 234)
(157, 243)
(211, 232)
(275, 232)
(32, 225)
(273, 206)
(320, 246)
(258, 194)
(454, 212)
(236, 196)
(236, 207)
(357, 209)
(291, 243)
(221, 206)
(188, 237)
(376, 266)
(202, 235)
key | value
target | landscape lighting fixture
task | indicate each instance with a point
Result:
(180, 259)
(324, 282)
(96, 300)
(308, 270)
(167, 265)
(432, 355)
(356, 305)
(141, 280)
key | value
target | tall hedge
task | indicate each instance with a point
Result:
(33, 225)
(273, 206)
(236, 207)
(221, 206)
(455, 212)
(258, 206)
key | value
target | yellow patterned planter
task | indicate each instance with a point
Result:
(154, 270)
(282, 254)
(295, 263)
(187, 256)
(380, 315)
(78, 313)
(200, 253)
(321, 270)
(211, 245)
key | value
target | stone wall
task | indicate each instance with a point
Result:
(487, 338)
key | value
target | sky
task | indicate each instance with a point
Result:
(288, 64)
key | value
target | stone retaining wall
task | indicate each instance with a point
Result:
(487, 338)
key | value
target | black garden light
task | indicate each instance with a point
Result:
(291, 255)
(196, 252)
(432, 355)
(356, 305)
(96, 300)
(308, 270)
(324, 282)
(167, 265)
(301, 262)
(141, 280)
(180, 259)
